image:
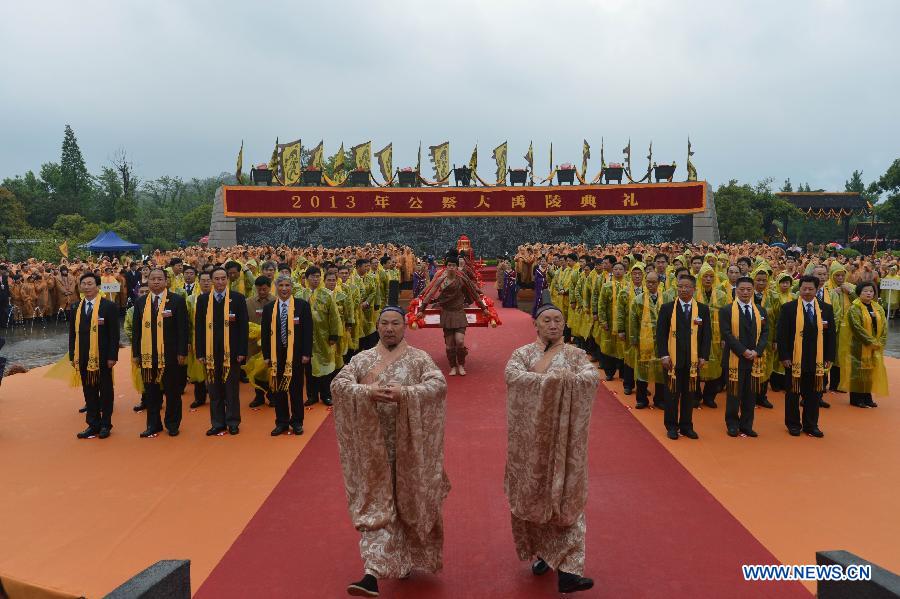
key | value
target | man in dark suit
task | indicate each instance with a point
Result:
(97, 384)
(132, 279)
(809, 388)
(175, 342)
(301, 328)
(224, 407)
(753, 334)
(681, 391)
(4, 295)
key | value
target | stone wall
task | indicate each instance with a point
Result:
(490, 236)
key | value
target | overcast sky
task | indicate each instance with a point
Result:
(805, 89)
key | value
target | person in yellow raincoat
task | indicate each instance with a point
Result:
(255, 367)
(632, 288)
(592, 330)
(766, 297)
(709, 292)
(349, 311)
(642, 316)
(561, 283)
(612, 347)
(326, 333)
(334, 284)
(890, 298)
(366, 317)
(196, 371)
(136, 378)
(842, 295)
(785, 292)
(862, 357)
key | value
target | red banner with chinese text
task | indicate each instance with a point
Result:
(578, 200)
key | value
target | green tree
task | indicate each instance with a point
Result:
(75, 183)
(107, 197)
(738, 219)
(12, 215)
(75, 227)
(196, 222)
(34, 195)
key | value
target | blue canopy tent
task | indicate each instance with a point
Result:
(110, 242)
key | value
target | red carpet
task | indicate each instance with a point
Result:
(653, 530)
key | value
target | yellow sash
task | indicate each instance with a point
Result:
(797, 359)
(285, 383)
(673, 345)
(226, 337)
(733, 359)
(647, 341)
(867, 351)
(147, 340)
(93, 364)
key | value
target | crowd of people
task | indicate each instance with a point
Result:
(679, 324)
(737, 327)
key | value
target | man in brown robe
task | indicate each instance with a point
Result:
(551, 388)
(389, 404)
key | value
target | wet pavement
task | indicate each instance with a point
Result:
(35, 343)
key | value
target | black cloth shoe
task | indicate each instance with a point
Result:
(750, 433)
(765, 403)
(367, 587)
(233, 430)
(572, 583)
(795, 432)
(139, 408)
(173, 432)
(836, 391)
(298, 430)
(691, 434)
(824, 404)
(710, 404)
(627, 390)
(870, 404)
(257, 402)
(857, 404)
(82, 409)
(88, 433)
(641, 405)
(540, 567)
(150, 432)
(104, 433)
(311, 402)
(215, 431)
(659, 406)
(732, 432)
(327, 401)
(196, 404)
(672, 435)
(815, 433)
(279, 430)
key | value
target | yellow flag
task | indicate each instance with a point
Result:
(440, 158)
(419, 161)
(500, 159)
(385, 158)
(339, 159)
(240, 165)
(316, 158)
(585, 154)
(273, 163)
(362, 156)
(473, 161)
(602, 159)
(64, 248)
(290, 162)
(529, 156)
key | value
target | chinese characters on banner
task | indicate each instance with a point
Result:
(584, 200)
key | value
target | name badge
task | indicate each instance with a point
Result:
(231, 317)
(296, 320)
(100, 320)
(259, 310)
(167, 313)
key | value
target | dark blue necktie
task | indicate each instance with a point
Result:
(810, 314)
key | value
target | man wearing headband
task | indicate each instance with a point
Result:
(545, 380)
(389, 405)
